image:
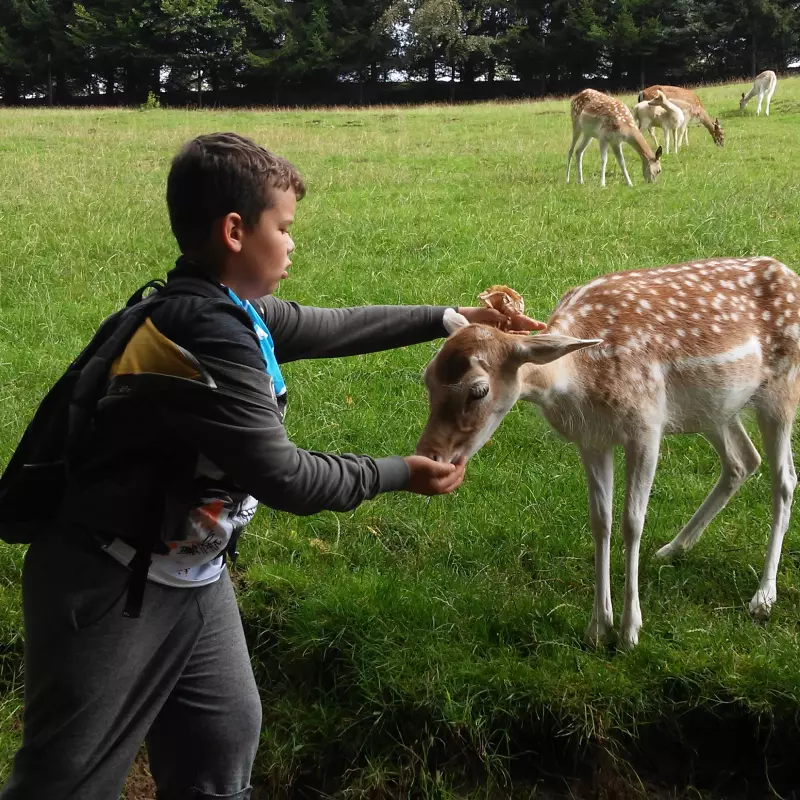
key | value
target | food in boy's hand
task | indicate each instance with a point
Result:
(503, 299)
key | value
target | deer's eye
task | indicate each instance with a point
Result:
(478, 391)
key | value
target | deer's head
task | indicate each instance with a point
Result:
(473, 382)
(651, 167)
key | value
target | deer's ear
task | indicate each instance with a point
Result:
(658, 153)
(742, 95)
(546, 347)
(453, 321)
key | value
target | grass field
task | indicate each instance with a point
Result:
(435, 648)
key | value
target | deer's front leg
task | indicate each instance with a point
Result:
(599, 467)
(621, 161)
(641, 457)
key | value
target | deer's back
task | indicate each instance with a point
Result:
(673, 93)
(688, 342)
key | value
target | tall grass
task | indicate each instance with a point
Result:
(416, 646)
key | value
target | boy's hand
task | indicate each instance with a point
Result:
(433, 477)
(517, 323)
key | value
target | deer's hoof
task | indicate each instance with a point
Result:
(762, 603)
(597, 634)
(668, 552)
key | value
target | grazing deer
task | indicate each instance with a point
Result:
(660, 113)
(597, 116)
(692, 108)
(764, 85)
(628, 358)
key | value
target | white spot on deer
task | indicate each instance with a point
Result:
(765, 315)
(671, 314)
(644, 303)
(716, 328)
(750, 348)
(680, 332)
(695, 331)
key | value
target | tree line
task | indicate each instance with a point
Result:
(265, 51)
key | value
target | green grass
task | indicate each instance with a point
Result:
(432, 647)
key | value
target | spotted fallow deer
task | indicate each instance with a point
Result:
(691, 107)
(597, 116)
(628, 358)
(764, 86)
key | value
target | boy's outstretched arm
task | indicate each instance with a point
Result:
(309, 332)
(238, 427)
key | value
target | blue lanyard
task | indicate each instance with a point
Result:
(264, 342)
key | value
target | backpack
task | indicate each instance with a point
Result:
(34, 481)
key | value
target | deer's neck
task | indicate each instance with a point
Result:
(705, 120)
(540, 383)
(635, 139)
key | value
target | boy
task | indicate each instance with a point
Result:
(187, 439)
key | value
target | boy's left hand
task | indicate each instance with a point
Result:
(518, 323)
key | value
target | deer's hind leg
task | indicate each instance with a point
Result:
(740, 459)
(576, 134)
(641, 456)
(599, 467)
(775, 414)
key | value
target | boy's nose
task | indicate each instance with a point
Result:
(290, 249)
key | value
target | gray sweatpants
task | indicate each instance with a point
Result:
(98, 684)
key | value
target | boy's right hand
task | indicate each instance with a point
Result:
(433, 477)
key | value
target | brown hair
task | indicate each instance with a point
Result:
(221, 173)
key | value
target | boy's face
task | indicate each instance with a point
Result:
(262, 259)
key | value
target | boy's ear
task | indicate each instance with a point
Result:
(231, 228)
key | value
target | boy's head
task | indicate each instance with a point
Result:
(230, 205)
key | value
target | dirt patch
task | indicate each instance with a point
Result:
(139, 785)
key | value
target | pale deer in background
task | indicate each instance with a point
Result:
(597, 116)
(660, 113)
(764, 86)
(628, 358)
(692, 108)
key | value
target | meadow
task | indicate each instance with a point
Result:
(434, 648)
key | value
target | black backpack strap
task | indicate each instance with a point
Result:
(157, 284)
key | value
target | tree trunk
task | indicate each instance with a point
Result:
(61, 91)
(200, 88)
(453, 83)
(753, 66)
(432, 71)
(49, 82)
(110, 84)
